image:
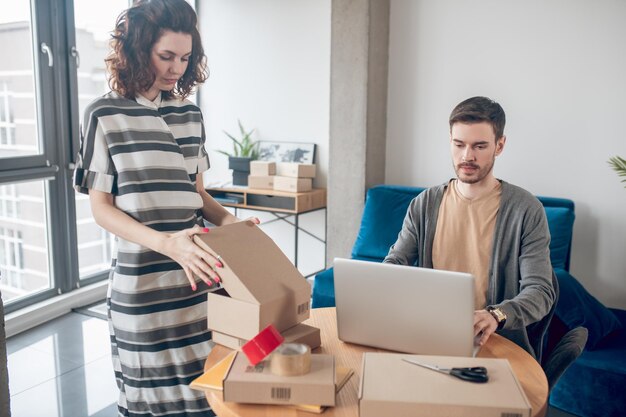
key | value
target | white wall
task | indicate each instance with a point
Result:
(270, 67)
(559, 70)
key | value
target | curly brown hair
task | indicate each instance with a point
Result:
(136, 31)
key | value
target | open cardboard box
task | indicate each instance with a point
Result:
(261, 285)
(391, 387)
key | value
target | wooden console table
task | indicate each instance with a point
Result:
(280, 204)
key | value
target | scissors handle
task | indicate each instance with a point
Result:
(476, 374)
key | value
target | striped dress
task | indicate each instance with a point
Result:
(148, 154)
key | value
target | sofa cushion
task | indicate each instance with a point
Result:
(560, 223)
(383, 214)
(593, 385)
(576, 307)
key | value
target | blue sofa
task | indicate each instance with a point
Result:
(594, 383)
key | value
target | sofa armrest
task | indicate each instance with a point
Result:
(324, 289)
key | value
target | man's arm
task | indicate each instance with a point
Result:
(536, 291)
(405, 250)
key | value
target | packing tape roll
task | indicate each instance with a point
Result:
(262, 344)
(291, 359)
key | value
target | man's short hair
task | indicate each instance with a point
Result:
(480, 109)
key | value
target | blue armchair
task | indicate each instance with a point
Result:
(593, 384)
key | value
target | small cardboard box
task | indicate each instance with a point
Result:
(261, 182)
(261, 285)
(293, 185)
(300, 333)
(257, 385)
(262, 168)
(292, 169)
(391, 387)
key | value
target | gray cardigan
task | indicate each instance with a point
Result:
(520, 274)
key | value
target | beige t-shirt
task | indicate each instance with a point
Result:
(464, 236)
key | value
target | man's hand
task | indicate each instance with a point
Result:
(484, 325)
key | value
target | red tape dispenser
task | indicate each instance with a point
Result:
(261, 345)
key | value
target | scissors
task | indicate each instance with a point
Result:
(474, 374)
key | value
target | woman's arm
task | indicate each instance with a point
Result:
(177, 246)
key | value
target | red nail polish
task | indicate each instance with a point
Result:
(205, 230)
(217, 280)
(219, 265)
(194, 287)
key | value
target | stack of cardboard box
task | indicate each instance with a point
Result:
(262, 175)
(260, 286)
(282, 176)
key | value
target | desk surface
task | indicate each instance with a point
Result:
(527, 370)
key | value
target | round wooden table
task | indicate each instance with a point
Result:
(526, 368)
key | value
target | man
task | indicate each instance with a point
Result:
(479, 224)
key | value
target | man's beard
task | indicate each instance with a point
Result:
(478, 176)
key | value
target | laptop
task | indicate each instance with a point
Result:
(405, 308)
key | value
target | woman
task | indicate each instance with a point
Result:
(141, 162)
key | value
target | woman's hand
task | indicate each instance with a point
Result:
(181, 248)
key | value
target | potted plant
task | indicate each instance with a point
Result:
(244, 150)
(619, 165)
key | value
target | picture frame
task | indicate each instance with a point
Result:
(302, 153)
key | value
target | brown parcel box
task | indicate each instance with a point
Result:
(262, 168)
(293, 185)
(257, 385)
(264, 286)
(263, 182)
(300, 333)
(292, 169)
(391, 387)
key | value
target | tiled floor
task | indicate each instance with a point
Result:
(62, 369)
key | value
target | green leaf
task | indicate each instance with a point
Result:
(244, 146)
(619, 165)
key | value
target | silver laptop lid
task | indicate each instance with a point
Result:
(405, 308)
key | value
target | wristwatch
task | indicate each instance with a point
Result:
(497, 314)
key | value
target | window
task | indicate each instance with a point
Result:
(94, 22)
(52, 68)
(7, 126)
(23, 240)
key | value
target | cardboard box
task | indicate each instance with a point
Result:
(261, 286)
(293, 185)
(261, 182)
(300, 333)
(292, 169)
(262, 168)
(391, 387)
(257, 385)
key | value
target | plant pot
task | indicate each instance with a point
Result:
(239, 163)
(240, 178)
(241, 169)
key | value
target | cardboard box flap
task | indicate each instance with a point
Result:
(387, 378)
(255, 269)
